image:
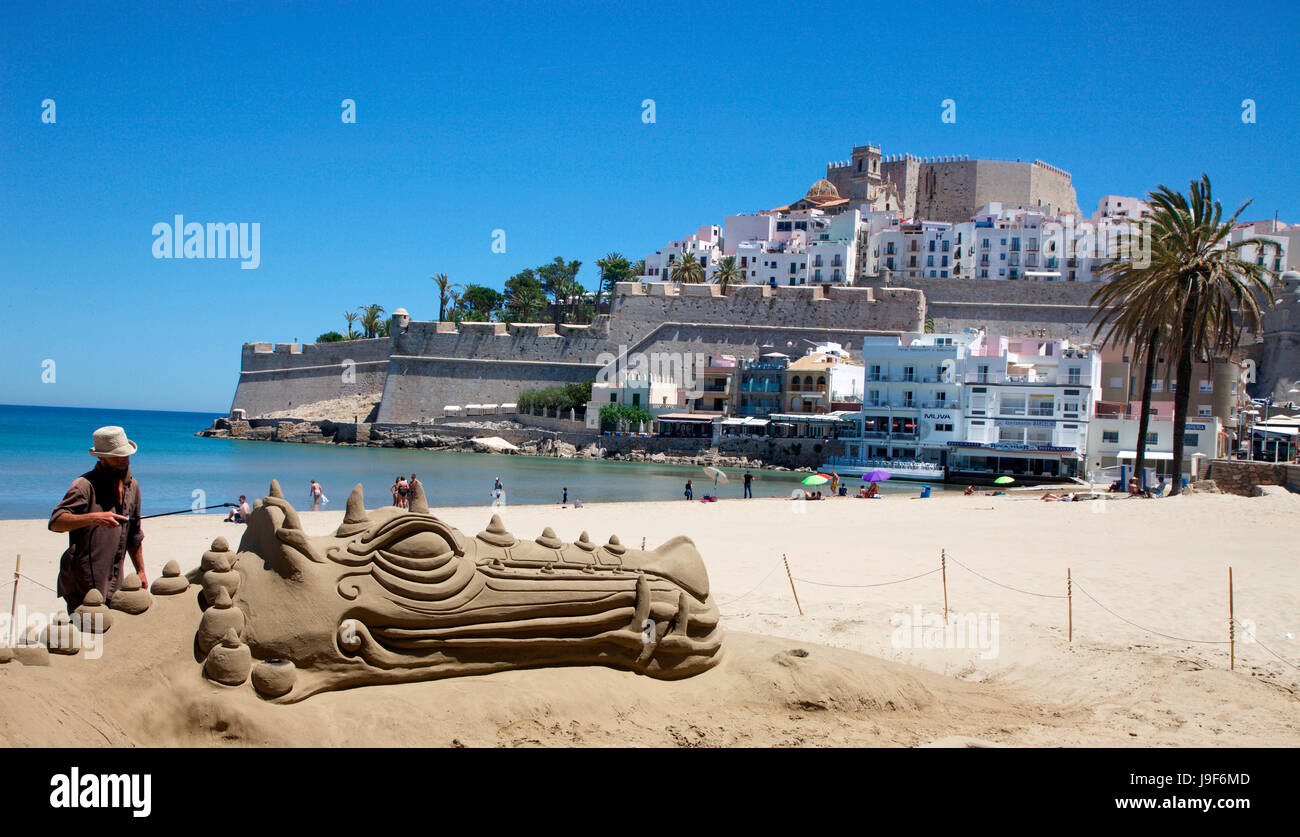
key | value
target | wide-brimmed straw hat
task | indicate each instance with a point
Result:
(112, 441)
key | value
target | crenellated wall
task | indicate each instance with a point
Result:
(282, 376)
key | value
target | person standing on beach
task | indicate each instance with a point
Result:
(564, 498)
(101, 514)
(689, 492)
(317, 496)
(749, 485)
(403, 492)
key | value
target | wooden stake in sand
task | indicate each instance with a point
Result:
(1069, 603)
(13, 605)
(791, 577)
(643, 543)
(943, 570)
(1232, 627)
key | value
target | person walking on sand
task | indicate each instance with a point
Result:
(101, 514)
(749, 485)
(689, 492)
(835, 483)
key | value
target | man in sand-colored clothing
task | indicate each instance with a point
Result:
(101, 514)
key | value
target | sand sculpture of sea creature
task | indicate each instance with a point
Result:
(398, 595)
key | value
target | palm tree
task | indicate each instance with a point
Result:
(727, 273)
(688, 271)
(371, 316)
(613, 269)
(446, 290)
(638, 268)
(1195, 278)
(351, 317)
(527, 303)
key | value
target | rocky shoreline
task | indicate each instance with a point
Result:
(526, 441)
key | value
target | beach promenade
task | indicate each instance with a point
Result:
(1148, 664)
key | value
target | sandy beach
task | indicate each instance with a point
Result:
(848, 671)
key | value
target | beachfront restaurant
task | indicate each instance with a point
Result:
(812, 425)
(985, 461)
(686, 425)
(743, 426)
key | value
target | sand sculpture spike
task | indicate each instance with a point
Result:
(275, 491)
(496, 533)
(419, 504)
(355, 518)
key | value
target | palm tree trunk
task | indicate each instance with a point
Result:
(1184, 393)
(1144, 420)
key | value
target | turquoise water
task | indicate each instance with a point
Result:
(42, 449)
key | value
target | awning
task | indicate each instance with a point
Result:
(685, 418)
(1161, 455)
(1276, 431)
(732, 422)
(757, 422)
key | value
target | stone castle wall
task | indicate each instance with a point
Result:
(952, 189)
(1007, 307)
(287, 375)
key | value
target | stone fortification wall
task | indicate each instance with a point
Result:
(953, 188)
(435, 364)
(1007, 307)
(282, 376)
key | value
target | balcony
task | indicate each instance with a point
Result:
(1041, 411)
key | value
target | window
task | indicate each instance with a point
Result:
(1157, 386)
(613, 398)
(1173, 386)
(1153, 438)
(1191, 440)
(1206, 387)
(636, 399)
(1204, 411)
(1116, 383)
(1110, 437)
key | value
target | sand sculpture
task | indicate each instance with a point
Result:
(171, 583)
(131, 597)
(397, 595)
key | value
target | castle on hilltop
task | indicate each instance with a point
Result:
(949, 189)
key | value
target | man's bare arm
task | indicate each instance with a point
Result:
(68, 522)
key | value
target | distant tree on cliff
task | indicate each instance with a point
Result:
(371, 319)
(728, 274)
(1186, 296)
(351, 317)
(624, 417)
(688, 271)
(480, 303)
(446, 293)
(525, 298)
(613, 269)
(331, 337)
(638, 268)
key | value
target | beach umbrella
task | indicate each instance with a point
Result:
(816, 479)
(1004, 481)
(716, 473)
(875, 476)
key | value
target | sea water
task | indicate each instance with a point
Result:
(43, 449)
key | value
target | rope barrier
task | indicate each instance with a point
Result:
(1079, 587)
(856, 586)
(1008, 586)
(776, 566)
(1255, 641)
(34, 581)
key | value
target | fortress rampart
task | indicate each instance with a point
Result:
(424, 366)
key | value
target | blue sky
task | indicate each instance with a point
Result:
(526, 117)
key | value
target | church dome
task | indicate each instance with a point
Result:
(822, 190)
